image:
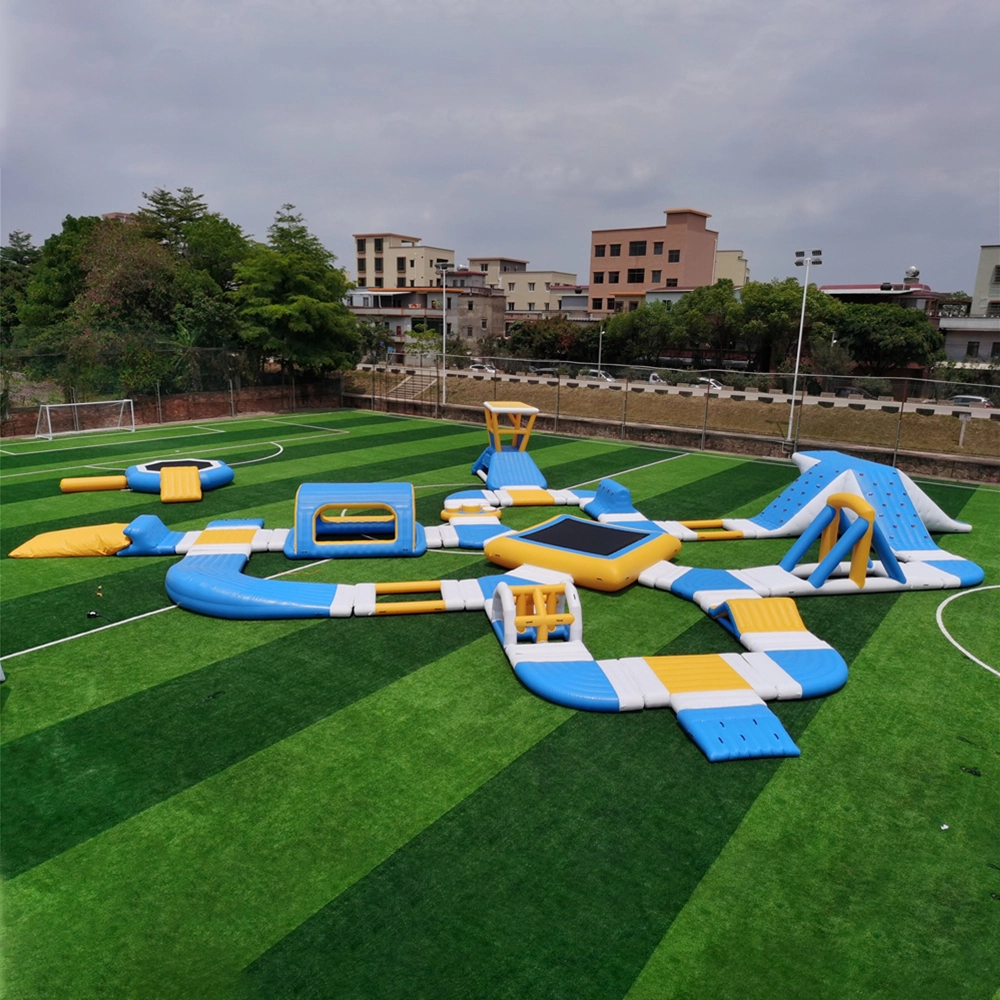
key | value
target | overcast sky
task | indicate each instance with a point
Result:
(867, 128)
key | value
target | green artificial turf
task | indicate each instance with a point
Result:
(358, 808)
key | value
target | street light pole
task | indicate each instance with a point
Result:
(814, 257)
(443, 270)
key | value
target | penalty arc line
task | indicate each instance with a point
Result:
(947, 634)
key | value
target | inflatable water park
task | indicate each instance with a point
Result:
(872, 525)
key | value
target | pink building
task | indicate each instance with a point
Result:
(626, 263)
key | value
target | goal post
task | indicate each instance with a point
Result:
(76, 418)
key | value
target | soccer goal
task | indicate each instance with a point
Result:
(74, 418)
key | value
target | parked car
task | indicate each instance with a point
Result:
(544, 372)
(482, 368)
(598, 374)
(712, 383)
(654, 378)
(971, 401)
(846, 391)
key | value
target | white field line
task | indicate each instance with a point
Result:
(135, 618)
(113, 444)
(250, 461)
(623, 472)
(314, 427)
(947, 634)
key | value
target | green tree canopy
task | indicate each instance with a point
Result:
(883, 337)
(553, 338)
(640, 336)
(710, 318)
(17, 260)
(291, 298)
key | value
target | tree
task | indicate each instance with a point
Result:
(956, 304)
(291, 298)
(166, 215)
(771, 313)
(640, 336)
(710, 317)
(551, 338)
(883, 337)
(16, 262)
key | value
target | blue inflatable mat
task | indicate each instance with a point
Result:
(819, 671)
(573, 683)
(706, 579)
(513, 468)
(740, 732)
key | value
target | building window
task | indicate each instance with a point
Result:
(658, 249)
(361, 265)
(401, 281)
(546, 306)
(378, 245)
(468, 331)
(531, 286)
(671, 282)
(599, 249)
(472, 305)
(362, 282)
(598, 277)
(510, 307)
(482, 323)
(972, 349)
(449, 301)
(673, 256)
(637, 248)
(378, 283)
(548, 285)
(412, 283)
(613, 277)
(378, 265)
(656, 277)
(361, 246)
(611, 305)
(632, 306)
(993, 308)
(400, 263)
(616, 249)
(510, 286)
(636, 275)
(484, 267)
(597, 304)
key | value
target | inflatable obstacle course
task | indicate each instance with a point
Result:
(868, 522)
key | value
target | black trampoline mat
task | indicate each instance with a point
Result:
(584, 536)
(177, 463)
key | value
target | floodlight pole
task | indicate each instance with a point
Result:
(814, 257)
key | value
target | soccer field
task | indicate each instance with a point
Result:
(369, 808)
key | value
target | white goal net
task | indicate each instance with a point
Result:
(76, 418)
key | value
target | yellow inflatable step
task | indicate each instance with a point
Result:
(180, 484)
(682, 674)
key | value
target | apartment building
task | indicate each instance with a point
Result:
(986, 290)
(733, 265)
(528, 292)
(474, 310)
(391, 260)
(626, 263)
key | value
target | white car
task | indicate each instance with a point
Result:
(482, 368)
(971, 401)
(711, 383)
(599, 374)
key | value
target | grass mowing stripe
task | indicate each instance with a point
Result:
(846, 842)
(328, 449)
(847, 846)
(558, 877)
(40, 618)
(174, 902)
(107, 765)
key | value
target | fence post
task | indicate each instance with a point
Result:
(704, 423)
(555, 423)
(232, 399)
(798, 423)
(625, 407)
(899, 426)
(159, 409)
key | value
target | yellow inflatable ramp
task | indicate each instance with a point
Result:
(93, 484)
(95, 540)
(180, 484)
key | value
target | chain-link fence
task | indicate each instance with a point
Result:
(723, 409)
